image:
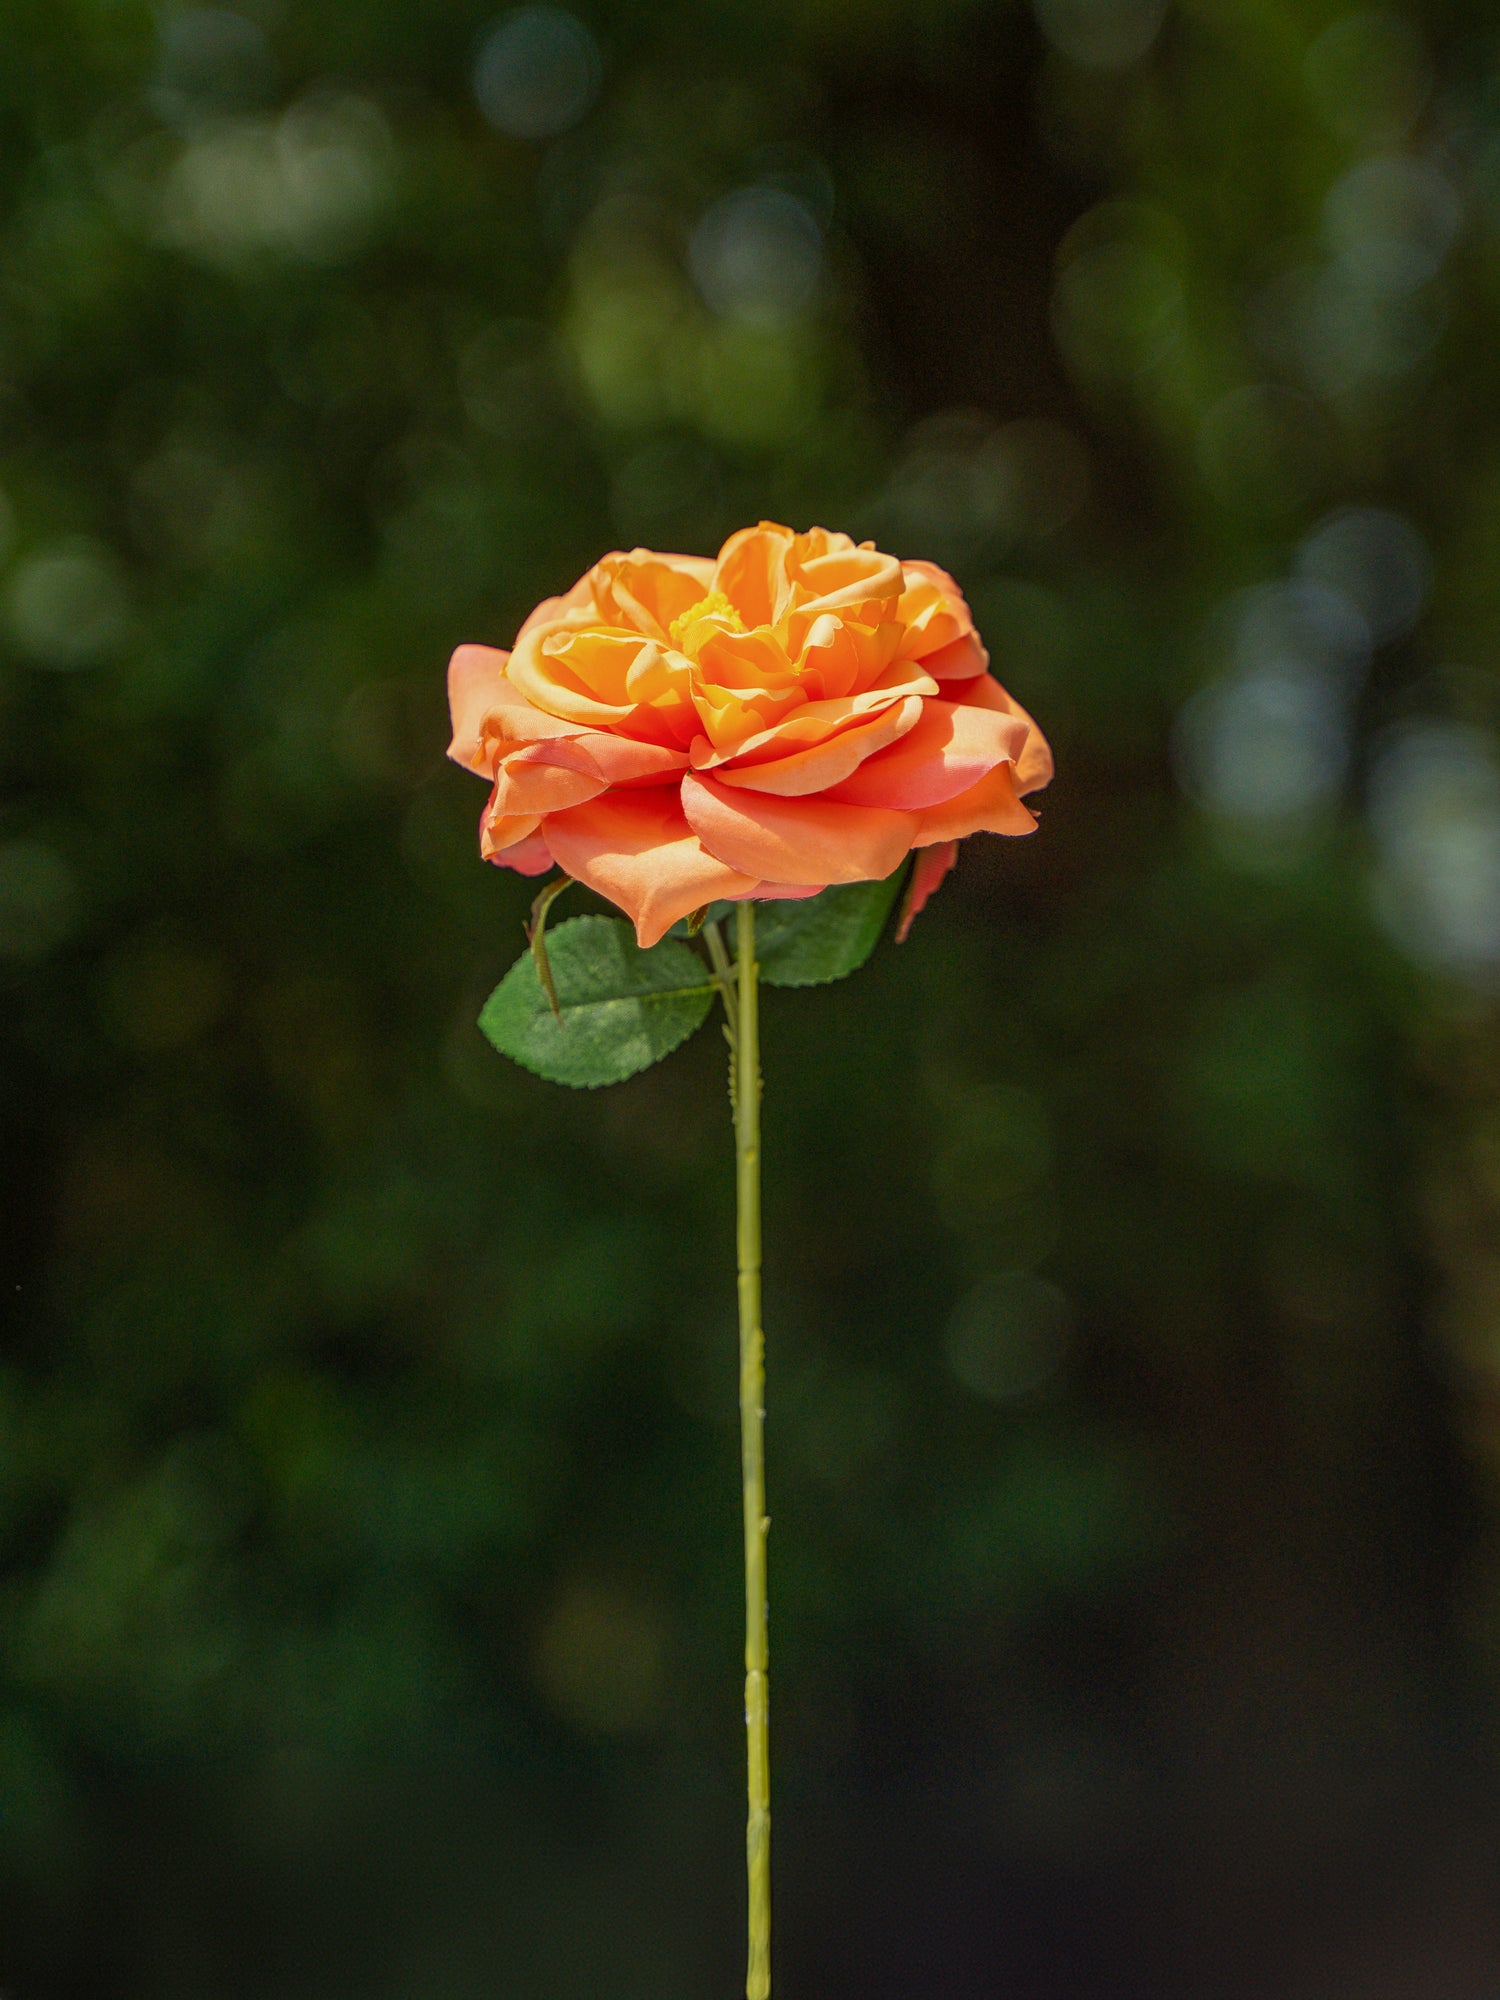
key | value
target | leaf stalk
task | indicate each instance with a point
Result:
(536, 937)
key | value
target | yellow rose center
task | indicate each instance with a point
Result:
(685, 632)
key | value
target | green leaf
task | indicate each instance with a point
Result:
(827, 937)
(621, 1008)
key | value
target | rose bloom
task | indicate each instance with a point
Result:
(799, 712)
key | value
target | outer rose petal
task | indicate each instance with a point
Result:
(795, 840)
(490, 713)
(958, 662)
(991, 806)
(523, 785)
(473, 673)
(499, 832)
(637, 849)
(550, 777)
(928, 870)
(528, 857)
(951, 749)
(1034, 765)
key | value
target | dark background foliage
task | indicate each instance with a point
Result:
(368, 1492)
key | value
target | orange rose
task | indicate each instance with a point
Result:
(800, 712)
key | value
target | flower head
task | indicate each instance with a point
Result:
(801, 711)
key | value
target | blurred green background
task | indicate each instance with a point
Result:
(371, 1607)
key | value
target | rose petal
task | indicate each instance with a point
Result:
(951, 748)
(795, 840)
(840, 654)
(829, 763)
(473, 673)
(524, 784)
(1034, 766)
(811, 722)
(960, 661)
(490, 712)
(751, 571)
(563, 771)
(579, 601)
(617, 760)
(933, 611)
(498, 832)
(573, 668)
(856, 583)
(646, 591)
(530, 856)
(991, 806)
(928, 870)
(636, 848)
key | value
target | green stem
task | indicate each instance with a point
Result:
(723, 974)
(746, 1096)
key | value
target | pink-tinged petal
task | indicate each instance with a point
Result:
(499, 831)
(991, 806)
(960, 661)
(928, 871)
(637, 849)
(1034, 766)
(951, 748)
(829, 763)
(795, 840)
(530, 856)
